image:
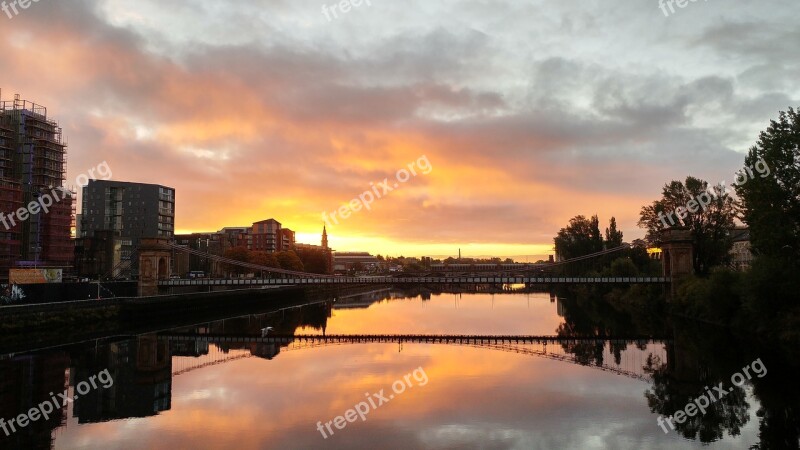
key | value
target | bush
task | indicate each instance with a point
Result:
(716, 298)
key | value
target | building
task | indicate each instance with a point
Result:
(208, 243)
(287, 239)
(270, 236)
(232, 237)
(358, 261)
(33, 165)
(102, 255)
(131, 211)
(741, 255)
(267, 236)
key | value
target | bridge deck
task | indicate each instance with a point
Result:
(410, 280)
(411, 338)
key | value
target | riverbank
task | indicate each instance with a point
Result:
(43, 325)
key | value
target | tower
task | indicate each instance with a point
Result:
(324, 237)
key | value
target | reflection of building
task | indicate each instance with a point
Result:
(131, 210)
(33, 162)
(561, 310)
(142, 372)
(741, 256)
(188, 348)
(265, 350)
(26, 382)
(365, 300)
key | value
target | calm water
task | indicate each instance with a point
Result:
(190, 389)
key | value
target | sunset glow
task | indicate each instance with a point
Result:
(267, 110)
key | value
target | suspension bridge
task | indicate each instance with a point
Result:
(264, 276)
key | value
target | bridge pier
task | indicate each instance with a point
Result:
(155, 262)
(677, 246)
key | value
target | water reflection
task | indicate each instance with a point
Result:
(208, 385)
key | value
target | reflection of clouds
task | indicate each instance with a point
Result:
(502, 401)
(475, 398)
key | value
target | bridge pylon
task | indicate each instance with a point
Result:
(155, 261)
(678, 253)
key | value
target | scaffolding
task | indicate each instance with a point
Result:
(33, 162)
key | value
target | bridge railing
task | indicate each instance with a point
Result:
(294, 281)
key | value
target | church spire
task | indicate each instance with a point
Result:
(324, 237)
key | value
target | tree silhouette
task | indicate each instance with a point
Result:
(710, 225)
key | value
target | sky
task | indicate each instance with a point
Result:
(527, 113)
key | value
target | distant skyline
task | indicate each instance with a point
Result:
(530, 112)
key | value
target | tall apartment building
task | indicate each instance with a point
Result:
(33, 161)
(288, 239)
(131, 211)
(267, 236)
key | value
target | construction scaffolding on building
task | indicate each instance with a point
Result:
(33, 164)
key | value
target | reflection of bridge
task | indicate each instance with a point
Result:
(250, 282)
(631, 363)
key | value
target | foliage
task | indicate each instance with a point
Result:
(613, 236)
(771, 297)
(262, 258)
(669, 394)
(771, 204)
(716, 298)
(581, 237)
(621, 267)
(241, 254)
(290, 261)
(709, 226)
(314, 260)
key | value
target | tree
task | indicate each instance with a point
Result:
(669, 394)
(770, 198)
(290, 261)
(581, 237)
(710, 224)
(261, 258)
(613, 237)
(314, 260)
(595, 234)
(241, 254)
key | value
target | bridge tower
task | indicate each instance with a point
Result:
(155, 261)
(678, 253)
